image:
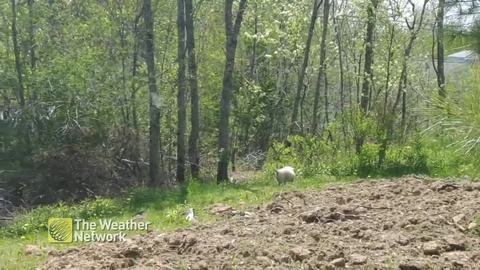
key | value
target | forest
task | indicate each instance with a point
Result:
(161, 110)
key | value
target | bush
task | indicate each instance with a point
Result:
(368, 160)
(125, 147)
(406, 159)
(70, 173)
(79, 164)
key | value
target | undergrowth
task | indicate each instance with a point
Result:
(166, 208)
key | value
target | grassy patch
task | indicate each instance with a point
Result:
(455, 42)
(164, 209)
(476, 230)
(12, 256)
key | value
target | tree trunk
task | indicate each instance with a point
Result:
(123, 45)
(338, 40)
(182, 91)
(322, 79)
(303, 69)
(440, 50)
(31, 34)
(389, 64)
(367, 70)
(273, 126)
(133, 97)
(18, 63)
(232, 30)
(358, 71)
(253, 57)
(340, 59)
(194, 154)
(154, 100)
(165, 64)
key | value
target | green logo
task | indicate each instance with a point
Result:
(60, 230)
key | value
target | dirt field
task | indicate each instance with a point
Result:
(409, 223)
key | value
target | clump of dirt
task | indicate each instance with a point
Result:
(408, 223)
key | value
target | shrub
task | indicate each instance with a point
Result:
(367, 160)
(125, 147)
(70, 173)
(406, 159)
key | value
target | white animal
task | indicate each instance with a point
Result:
(285, 174)
(190, 216)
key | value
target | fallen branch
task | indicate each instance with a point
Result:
(134, 162)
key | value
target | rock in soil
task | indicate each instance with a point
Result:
(299, 253)
(340, 262)
(412, 223)
(411, 266)
(431, 248)
(357, 259)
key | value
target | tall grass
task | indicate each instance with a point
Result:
(458, 115)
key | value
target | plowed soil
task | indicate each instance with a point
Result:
(407, 223)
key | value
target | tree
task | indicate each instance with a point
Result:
(338, 41)
(414, 28)
(322, 72)
(253, 57)
(303, 69)
(440, 67)
(367, 69)
(135, 56)
(182, 91)
(194, 155)
(232, 30)
(18, 62)
(154, 98)
(31, 34)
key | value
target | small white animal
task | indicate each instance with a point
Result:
(190, 215)
(285, 174)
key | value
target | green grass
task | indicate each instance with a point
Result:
(476, 230)
(456, 42)
(164, 209)
(11, 252)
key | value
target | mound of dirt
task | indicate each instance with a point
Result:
(408, 223)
